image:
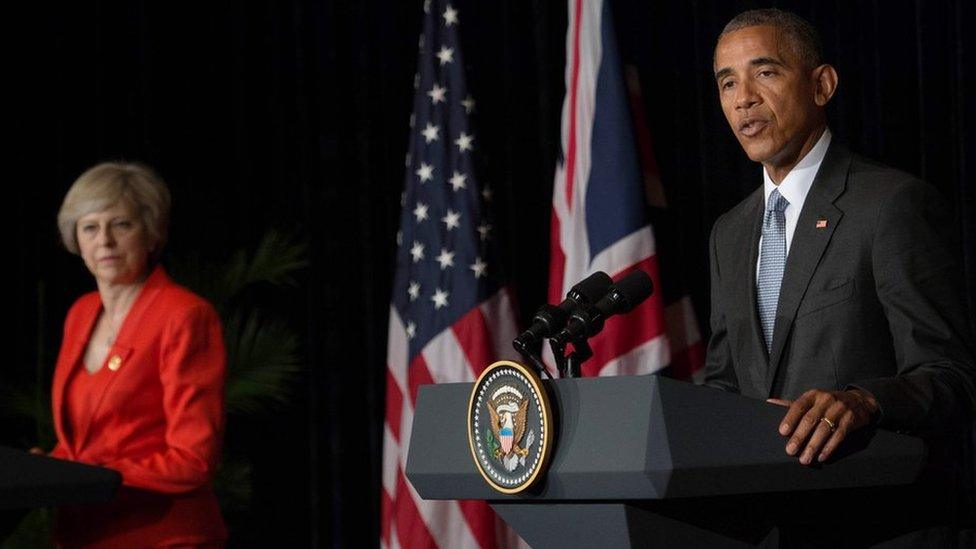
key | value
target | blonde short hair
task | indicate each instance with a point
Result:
(110, 183)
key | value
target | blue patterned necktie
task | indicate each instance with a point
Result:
(772, 261)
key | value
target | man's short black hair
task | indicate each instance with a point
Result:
(804, 39)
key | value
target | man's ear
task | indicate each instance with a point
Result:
(825, 84)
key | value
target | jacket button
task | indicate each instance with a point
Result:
(114, 363)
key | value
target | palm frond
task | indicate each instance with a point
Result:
(33, 532)
(19, 402)
(233, 484)
(263, 362)
(25, 402)
(206, 278)
(275, 260)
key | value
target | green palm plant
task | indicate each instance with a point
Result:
(264, 361)
(263, 353)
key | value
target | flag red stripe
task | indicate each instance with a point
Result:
(557, 260)
(410, 527)
(394, 404)
(418, 375)
(473, 335)
(481, 520)
(573, 93)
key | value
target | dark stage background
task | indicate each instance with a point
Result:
(293, 115)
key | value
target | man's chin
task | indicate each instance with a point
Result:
(757, 153)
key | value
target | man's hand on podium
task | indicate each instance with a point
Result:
(819, 421)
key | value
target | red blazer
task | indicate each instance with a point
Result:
(158, 420)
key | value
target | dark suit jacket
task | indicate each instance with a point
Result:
(874, 299)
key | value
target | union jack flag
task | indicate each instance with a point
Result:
(599, 209)
(451, 314)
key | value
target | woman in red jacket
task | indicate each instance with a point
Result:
(138, 385)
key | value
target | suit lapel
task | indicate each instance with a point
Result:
(71, 361)
(126, 343)
(747, 227)
(810, 239)
(751, 228)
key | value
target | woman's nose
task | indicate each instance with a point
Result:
(105, 237)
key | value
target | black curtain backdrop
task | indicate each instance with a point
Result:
(294, 114)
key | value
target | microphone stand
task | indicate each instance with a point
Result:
(531, 353)
(570, 365)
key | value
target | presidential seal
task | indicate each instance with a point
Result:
(509, 426)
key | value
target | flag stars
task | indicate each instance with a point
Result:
(445, 258)
(478, 267)
(437, 94)
(411, 330)
(457, 181)
(468, 104)
(439, 298)
(464, 142)
(446, 55)
(450, 16)
(487, 193)
(425, 172)
(420, 212)
(431, 132)
(452, 219)
(417, 251)
(416, 81)
(413, 290)
(484, 230)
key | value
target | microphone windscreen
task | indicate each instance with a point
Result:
(591, 288)
(633, 289)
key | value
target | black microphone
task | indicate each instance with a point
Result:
(623, 296)
(549, 319)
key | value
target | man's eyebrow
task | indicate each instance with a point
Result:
(725, 71)
(765, 61)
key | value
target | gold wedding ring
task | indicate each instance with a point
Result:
(829, 424)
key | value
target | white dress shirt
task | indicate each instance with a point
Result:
(794, 188)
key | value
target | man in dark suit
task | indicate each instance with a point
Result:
(834, 288)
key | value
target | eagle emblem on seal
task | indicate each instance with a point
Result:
(508, 410)
(510, 426)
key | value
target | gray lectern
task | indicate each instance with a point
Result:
(645, 460)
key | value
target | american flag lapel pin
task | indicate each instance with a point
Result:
(821, 223)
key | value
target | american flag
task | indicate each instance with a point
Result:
(450, 314)
(599, 213)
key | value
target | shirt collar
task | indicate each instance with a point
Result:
(797, 183)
